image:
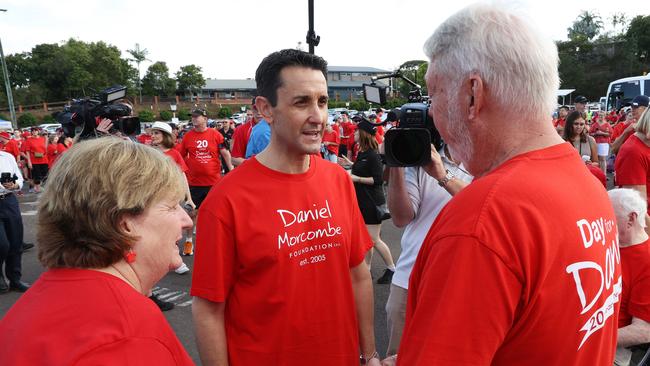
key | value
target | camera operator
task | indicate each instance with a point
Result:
(11, 227)
(415, 197)
(105, 125)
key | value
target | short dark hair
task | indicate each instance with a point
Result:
(267, 75)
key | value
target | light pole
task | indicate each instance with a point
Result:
(173, 108)
(10, 96)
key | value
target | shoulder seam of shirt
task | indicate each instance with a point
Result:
(123, 339)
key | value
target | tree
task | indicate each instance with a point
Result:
(157, 81)
(139, 56)
(638, 36)
(190, 79)
(586, 27)
(414, 70)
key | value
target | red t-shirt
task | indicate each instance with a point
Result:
(618, 130)
(36, 146)
(279, 255)
(332, 137)
(144, 139)
(201, 153)
(517, 271)
(598, 173)
(348, 132)
(559, 122)
(379, 136)
(12, 148)
(632, 165)
(177, 158)
(605, 127)
(52, 154)
(240, 137)
(635, 301)
(86, 317)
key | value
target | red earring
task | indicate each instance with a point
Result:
(129, 256)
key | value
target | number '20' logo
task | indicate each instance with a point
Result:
(201, 144)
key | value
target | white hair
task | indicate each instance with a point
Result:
(514, 60)
(626, 201)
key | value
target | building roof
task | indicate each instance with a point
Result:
(356, 69)
(351, 84)
(229, 84)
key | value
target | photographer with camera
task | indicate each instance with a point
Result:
(11, 225)
(416, 195)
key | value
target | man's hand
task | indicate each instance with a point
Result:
(436, 169)
(374, 362)
(105, 126)
(9, 185)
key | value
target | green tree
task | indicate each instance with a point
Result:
(638, 36)
(166, 115)
(224, 112)
(414, 70)
(190, 79)
(146, 116)
(157, 81)
(26, 120)
(139, 56)
(586, 27)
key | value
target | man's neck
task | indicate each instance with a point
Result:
(636, 238)
(281, 160)
(200, 128)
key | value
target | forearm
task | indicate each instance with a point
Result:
(636, 333)
(210, 332)
(616, 145)
(188, 195)
(399, 204)
(363, 180)
(227, 158)
(363, 299)
(455, 185)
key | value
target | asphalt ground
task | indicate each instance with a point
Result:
(175, 288)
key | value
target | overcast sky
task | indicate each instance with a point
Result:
(228, 39)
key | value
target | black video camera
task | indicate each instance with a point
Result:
(81, 117)
(409, 144)
(8, 178)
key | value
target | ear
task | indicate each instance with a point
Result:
(476, 96)
(632, 218)
(264, 108)
(127, 224)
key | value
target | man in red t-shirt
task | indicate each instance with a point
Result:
(242, 134)
(9, 145)
(639, 105)
(561, 119)
(279, 276)
(347, 139)
(36, 152)
(633, 160)
(634, 316)
(145, 138)
(514, 271)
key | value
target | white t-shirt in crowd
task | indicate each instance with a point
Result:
(427, 198)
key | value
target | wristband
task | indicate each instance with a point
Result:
(443, 182)
(364, 360)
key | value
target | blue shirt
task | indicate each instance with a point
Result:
(260, 138)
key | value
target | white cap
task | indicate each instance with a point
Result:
(162, 126)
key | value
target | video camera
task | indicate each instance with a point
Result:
(408, 144)
(8, 178)
(81, 117)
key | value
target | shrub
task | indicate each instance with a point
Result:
(166, 115)
(224, 112)
(184, 115)
(48, 118)
(26, 120)
(146, 116)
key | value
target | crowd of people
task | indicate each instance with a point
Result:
(512, 252)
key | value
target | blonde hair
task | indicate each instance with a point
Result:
(643, 125)
(90, 189)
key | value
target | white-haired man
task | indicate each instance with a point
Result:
(518, 267)
(634, 316)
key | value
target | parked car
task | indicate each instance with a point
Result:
(50, 127)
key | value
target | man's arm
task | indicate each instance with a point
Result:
(209, 327)
(363, 300)
(399, 203)
(227, 158)
(616, 145)
(636, 333)
(436, 169)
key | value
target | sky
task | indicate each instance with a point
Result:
(228, 39)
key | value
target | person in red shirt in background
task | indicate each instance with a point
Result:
(145, 138)
(560, 121)
(52, 150)
(639, 105)
(36, 152)
(347, 138)
(64, 144)
(331, 143)
(601, 130)
(9, 145)
(242, 134)
(634, 316)
(511, 261)
(260, 299)
(633, 160)
(200, 148)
